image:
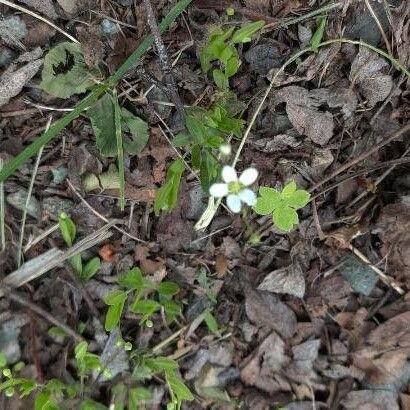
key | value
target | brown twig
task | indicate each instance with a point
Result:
(163, 59)
(18, 298)
(362, 157)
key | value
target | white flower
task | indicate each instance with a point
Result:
(225, 149)
(235, 189)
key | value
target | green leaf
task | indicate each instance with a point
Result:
(318, 34)
(288, 190)
(65, 72)
(181, 139)
(209, 169)
(138, 396)
(91, 268)
(171, 308)
(167, 196)
(132, 279)
(56, 331)
(113, 316)
(145, 307)
(220, 79)
(285, 217)
(161, 363)
(298, 199)
(211, 322)
(101, 115)
(81, 350)
(232, 66)
(67, 228)
(138, 129)
(244, 34)
(115, 297)
(196, 128)
(178, 388)
(3, 360)
(268, 200)
(167, 288)
(77, 264)
(26, 387)
(43, 401)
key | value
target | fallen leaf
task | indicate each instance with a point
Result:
(11, 83)
(148, 266)
(366, 71)
(289, 280)
(370, 400)
(262, 368)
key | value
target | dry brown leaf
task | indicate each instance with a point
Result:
(148, 266)
(289, 280)
(11, 83)
(370, 400)
(366, 71)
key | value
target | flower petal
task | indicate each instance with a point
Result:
(229, 174)
(248, 177)
(234, 203)
(218, 190)
(248, 196)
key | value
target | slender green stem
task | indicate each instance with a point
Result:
(120, 147)
(2, 214)
(59, 125)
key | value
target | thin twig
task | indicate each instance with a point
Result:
(362, 157)
(38, 17)
(102, 217)
(163, 59)
(21, 300)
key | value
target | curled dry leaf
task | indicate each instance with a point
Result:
(289, 280)
(11, 83)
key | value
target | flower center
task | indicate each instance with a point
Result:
(235, 187)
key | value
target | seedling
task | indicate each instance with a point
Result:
(134, 284)
(68, 231)
(282, 205)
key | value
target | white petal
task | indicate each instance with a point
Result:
(248, 176)
(248, 196)
(218, 190)
(229, 174)
(234, 203)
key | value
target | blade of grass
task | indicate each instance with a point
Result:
(2, 213)
(120, 148)
(59, 125)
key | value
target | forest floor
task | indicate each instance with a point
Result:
(105, 306)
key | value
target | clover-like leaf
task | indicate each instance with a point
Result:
(285, 217)
(132, 279)
(268, 201)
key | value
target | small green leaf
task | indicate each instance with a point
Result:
(115, 297)
(3, 360)
(113, 316)
(220, 79)
(268, 201)
(298, 199)
(145, 307)
(318, 34)
(178, 388)
(285, 217)
(132, 279)
(137, 396)
(138, 130)
(196, 129)
(81, 350)
(167, 196)
(77, 264)
(211, 322)
(167, 288)
(232, 66)
(209, 169)
(26, 387)
(171, 308)
(67, 228)
(91, 268)
(56, 331)
(181, 139)
(245, 33)
(65, 72)
(288, 190)
(161, 363)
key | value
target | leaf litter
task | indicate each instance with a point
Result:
(307, 323)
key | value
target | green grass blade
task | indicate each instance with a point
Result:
(59, 125)
(120, 148)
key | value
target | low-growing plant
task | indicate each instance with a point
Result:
(134, 284)
(68, 229)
